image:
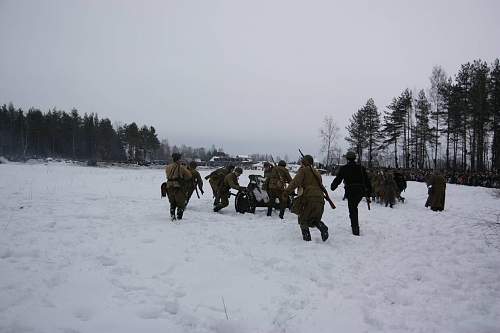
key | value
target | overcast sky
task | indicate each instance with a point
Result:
(248, 76)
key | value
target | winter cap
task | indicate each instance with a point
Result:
(350, 155)
(176, 156)
(308, 159)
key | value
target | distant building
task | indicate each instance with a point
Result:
(239, 160)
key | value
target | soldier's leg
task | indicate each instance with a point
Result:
(352, 204)
(272, 201)
(304, 228)
(180, 198)
(306, 235)
(270, 204)
(171, 200)
(323, 229)
(213, 185)
(283, 203)
(224, 202)
(317, 209)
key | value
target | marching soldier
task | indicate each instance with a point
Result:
(230, 182)
(357, 186)
(195, 182)
(390, 190)
(310, 201)
(278, 178)
(216, 179)
(437, 191)
(400, 180)
(177, 175)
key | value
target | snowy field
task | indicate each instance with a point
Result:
(87, 249)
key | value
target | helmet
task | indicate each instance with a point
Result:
(193, 164)
(308, 159)
(350, 155)
(176, 157)
(230, 167)
(238, 170)
(267, 165)
(282, 163)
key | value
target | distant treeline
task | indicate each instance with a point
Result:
(456, 125)
(56, 133)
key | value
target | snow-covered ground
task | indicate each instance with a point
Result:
(87, 249)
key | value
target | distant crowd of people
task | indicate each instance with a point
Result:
(484, 179)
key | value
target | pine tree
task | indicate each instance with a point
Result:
(423, 132)
(371, 121)
(356, 131)
(494, 101)
(394, 121)
(480, 116)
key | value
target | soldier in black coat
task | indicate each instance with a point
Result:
(357, 185)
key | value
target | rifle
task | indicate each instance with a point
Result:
(323, 189)
(272, 160)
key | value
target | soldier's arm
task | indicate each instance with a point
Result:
(185, 173)
(338, 179)
(211, 174)
(296, 181)
(199, 181)
(233, 183)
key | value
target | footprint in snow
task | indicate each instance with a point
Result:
(150, 313)
(83, 313)
(107, 261)
(172, 307)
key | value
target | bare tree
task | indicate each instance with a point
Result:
(328, 134)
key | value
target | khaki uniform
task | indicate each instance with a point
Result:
(390, 190)
(437, 192)
(196, 181)
(378, 186)
(230, 182)
(177, 175)
(276, 183)
(216, 179)
(310, 194)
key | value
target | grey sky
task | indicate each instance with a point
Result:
(250, 76)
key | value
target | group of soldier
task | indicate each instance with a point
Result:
(309, 202)
(387, 187)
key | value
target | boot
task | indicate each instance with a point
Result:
(282, 213)
(355, 231)
(323, 229)
(306, 235)
(179, 213)
(269, 211)
(172, 214)
(217, 208)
